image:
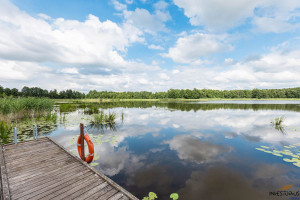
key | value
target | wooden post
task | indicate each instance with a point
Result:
(15, 135)
(82, 141)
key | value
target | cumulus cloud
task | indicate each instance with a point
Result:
(91, 42)
(150, 23)
(222, 15)
(91, 54)
(191, 48)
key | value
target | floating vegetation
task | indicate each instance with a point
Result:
(97, 139)
(291, 151)
(153, 196)
(277, 123)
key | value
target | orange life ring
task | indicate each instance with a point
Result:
(90, 145)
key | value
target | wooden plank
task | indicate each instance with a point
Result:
(115, 185)
(24, 144)
(62, 159)
(116, 196)
(40, 177)
(34, 157)
(43, 176)
(46, 186)
(37, 171)
(21, 153)
(124, 198)
(108, 194)
(99, 193)
(5, 193)
(16, 148)
(84, 189)
(14, 167)
(61, 190)
(92, 191)
(48, 183)
(77, 186)
(13, 145)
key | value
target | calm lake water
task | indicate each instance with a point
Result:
(210, 151)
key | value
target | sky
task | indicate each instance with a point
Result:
(138, 45)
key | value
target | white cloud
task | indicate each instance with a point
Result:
(217, 14)
(70, 70)
(119, 6)
(155, 47)
(161, 5)
(150, 23)
(91, 42)
(191, 48)
(129, 1)
(222, 15)
(275, 25)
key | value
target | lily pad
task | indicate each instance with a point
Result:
(277, 154)
(94, 164)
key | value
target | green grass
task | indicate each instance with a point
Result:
(5, 131)
(102, 118)
(18, 108)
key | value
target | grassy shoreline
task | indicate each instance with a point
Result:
(168, 100)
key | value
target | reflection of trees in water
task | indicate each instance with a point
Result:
(93, 108)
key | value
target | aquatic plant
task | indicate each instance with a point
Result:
(174, 196)
(153, 196)
(277, 123)
(5, 131)
(122, 117)
(102, 118)
(290, 153)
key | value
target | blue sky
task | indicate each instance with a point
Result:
(134, 45)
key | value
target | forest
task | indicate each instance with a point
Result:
(171, 93)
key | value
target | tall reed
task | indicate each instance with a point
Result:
(19, 108)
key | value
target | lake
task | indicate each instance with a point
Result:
(200, 150)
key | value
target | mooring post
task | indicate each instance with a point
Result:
(15, 135)
(34, 127)
(82, 141)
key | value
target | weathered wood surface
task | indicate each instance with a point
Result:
(43, 169)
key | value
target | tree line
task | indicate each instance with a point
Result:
(172, 93)
(199, 93)
(39, 92)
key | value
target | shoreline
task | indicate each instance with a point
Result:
(168, 100)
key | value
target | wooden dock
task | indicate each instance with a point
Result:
(43, 169)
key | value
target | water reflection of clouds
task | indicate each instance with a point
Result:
(250, 125)
(217, 183)
(192, 149)
(222, 182)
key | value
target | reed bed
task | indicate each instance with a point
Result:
(12, 109)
